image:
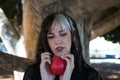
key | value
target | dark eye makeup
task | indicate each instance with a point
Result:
(63, 34)
(50, 35)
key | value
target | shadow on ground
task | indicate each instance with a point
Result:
(6, 75)
(109, 71)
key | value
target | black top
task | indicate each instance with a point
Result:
(88, 73)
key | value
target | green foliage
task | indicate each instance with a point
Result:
(1, 2)
(113, 35)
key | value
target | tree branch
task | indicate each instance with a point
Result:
(106, 25)
(11, 62)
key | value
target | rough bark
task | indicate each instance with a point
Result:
(105, 25)
(76, 8)
(84, 27)
(8, 34)
(11, 62)
(73, 6)
(29, 31)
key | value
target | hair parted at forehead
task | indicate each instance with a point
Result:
(64, 21)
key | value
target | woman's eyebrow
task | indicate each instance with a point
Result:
(63, 30)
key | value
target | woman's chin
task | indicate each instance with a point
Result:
(59, 54)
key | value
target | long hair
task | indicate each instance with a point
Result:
(64, 20)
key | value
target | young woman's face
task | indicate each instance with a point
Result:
(59, 40)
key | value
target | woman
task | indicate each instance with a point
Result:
(59, 37)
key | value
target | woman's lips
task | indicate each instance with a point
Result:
(59, 49)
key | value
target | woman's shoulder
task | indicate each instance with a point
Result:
(88, 68)
(91, 73)
(32, 67)
(32, 71)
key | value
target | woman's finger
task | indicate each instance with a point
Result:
(70, 57)
(45, 55)
(47, 60)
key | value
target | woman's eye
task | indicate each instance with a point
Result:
(50, 37)
(63, 34)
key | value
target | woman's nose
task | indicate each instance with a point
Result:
(58, 40)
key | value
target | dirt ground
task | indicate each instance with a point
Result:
(6, 75)
(108, 71)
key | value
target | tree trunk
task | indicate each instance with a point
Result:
(29, 31)
(84, 27)
(106, 25)
(8, 34)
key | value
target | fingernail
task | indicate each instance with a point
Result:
(49, 62)
(62, 57)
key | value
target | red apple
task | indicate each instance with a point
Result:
(58, 65)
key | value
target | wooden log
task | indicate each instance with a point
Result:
(10, 62)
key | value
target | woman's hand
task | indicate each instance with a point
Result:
(69, 67)
(44, 67)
